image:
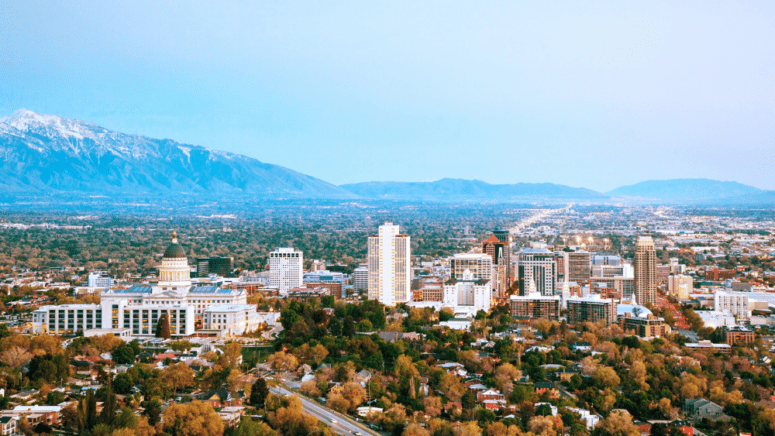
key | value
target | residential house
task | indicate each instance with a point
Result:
(551, 406)
(589, 418)
(8, 425)
(699, 408)
(221, 398)
(489, 394)
(231, 415)
(48, 415)
(547, 387)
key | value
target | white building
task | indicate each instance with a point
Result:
(140, 307)
(716, 319)
(680, 286)
(735, 304)
(467, 295)
(389, 263)
(97, 281)
(537, 266)
(232, 319)
(286, 269)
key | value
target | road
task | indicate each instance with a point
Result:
(344, 425)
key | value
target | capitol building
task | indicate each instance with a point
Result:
(136, 310)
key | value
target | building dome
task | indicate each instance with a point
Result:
(174, 251)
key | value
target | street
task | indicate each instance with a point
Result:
(344, 426)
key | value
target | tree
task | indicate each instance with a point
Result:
(468, 402)
(192, 419)
(91, 410)
(505, 376)
(163, 327)
(106, 343)
(179, 375)
(617, 424)
(606, 377)
(258, 393)
(152, 411)
(451, 386)
(248, 427)
(542, 425)
(432, 405)
(232, 355)
(16, 357)
(283, 362)
(124, 354)
(109, 407)
(414, 429)
(123, 384)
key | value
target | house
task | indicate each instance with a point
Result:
(7, 425)
(547, 387)
(589, 418)
(231, 415)
(366, 411)
(220, 398)
(362, 377)
(48, 415)
(494, 405)
(489, 394)
(699, 408)
(581, 346)
(565, 374)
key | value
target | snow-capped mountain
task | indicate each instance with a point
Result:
(48, 154)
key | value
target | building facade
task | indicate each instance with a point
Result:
(468, 294)
(734, 303)
(536, 265)
(286, 269)
(645, 264)
(389, 264)
(591, 309)
(361, 278)
(680, 286)
(535, 306)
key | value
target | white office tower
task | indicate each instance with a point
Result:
(733, 303)
(286, 269)
(390, 272)
(468, 294)
(680, 286)
(536, 265)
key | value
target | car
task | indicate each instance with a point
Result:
(357, 433)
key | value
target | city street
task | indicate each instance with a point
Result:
(344, 425)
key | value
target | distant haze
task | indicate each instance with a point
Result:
(581, 94)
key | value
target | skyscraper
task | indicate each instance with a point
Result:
(390, 272)
(578, 267)
(536, 265)
(498, 247)
(645, 264)
(286, 269)
(479, 264)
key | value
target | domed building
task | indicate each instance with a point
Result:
(217, 310)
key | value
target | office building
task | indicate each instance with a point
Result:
(680, 286)
(738, 335)
(479, 265)
(498, 247)
(591, 309)
(733, 303)
(96, 280)
(221, 266)
(578, 267)
(645, 263)
(361, 278)
(536, 265)
(535, 306)
(389, 264)
(286, 269)
(648, 326)
(468, 294)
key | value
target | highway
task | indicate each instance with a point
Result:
(344, 425)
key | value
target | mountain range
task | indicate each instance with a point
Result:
(48, 155)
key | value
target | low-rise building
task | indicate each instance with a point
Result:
(738, 335)
(535, 306)
(649, 326)
(591, 309)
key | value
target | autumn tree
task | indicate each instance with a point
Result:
(231, 356)
(414, 429)
(283, 362)
(16, 357)
(179, 375)
(432, 405)
(451, 386)
(192, 419)
(542, 425)
(617, 424)
(504, 376)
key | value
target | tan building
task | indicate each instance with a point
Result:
(591, 309)
(680, 286)
(649, 327)
(535, 306)
(645, 264)
(738, 335)
(389, 263)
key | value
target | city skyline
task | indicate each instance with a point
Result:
(659, 91)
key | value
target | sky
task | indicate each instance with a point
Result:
(586, 94)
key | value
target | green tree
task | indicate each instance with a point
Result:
(109, 407)
(258, 393)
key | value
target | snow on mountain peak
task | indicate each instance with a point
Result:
(26, 120)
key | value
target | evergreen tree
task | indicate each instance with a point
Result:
(468, 402)
(348, 329)
(163, 327)
(109, 407)
(152, 411)
(258, 393)
(91, 410)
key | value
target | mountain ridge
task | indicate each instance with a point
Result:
(686, 190)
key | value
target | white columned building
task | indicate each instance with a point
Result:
(286, 269)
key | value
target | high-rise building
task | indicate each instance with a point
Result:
(479, 264)
(645, 264)
(214, 265)
(361, 278)
(468, 294)
(578, 267)
(536, 266)
(734, 303)
(680, 286)
(498, 247)
(286, 269)
(389, 263)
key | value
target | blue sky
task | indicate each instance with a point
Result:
(579, 93)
